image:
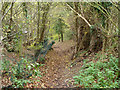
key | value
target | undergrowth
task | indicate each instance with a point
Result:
(19, 72)
(100, 74)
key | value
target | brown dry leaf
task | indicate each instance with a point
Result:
(43, 85)
(51, 87)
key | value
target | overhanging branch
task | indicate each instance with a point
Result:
(79, 15)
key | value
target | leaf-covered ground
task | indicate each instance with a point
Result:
(57, 71)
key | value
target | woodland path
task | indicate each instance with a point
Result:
(59, 73)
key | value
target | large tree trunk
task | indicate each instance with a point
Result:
(43, 27)
(44, 18)
(96, 41)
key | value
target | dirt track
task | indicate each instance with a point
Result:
(59, 73)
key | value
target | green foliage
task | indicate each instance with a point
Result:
(21, 71)
(69, 34)
(16, 43)
(106, 5)
(42, 59)
(59, 26)
(5, 65)
(102, 8)
(24, 9)
(55, 37)
(102, 74)
(32, 46)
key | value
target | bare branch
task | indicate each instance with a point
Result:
(79, 15)
(6, 12)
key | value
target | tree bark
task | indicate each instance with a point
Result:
(76, 25)
(62, 36)
(119, 43)
(43, 26)
(44, 18)
(10, 24)
(38, 30)
(59, 37)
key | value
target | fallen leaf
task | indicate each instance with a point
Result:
(43, 85)
(51, 87)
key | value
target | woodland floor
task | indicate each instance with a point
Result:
(57, 71)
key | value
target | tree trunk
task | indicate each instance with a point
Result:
(44, 18)
(76, 25)
(61, 36)
(119, 43)
(10, 24)
(38, 30)
(96, 42)
(43, 26)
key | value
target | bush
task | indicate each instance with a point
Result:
(102, 74)
(20, 72)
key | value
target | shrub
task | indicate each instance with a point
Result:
(102, 74)
(21, 71)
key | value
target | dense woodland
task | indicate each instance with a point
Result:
(60, 44)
